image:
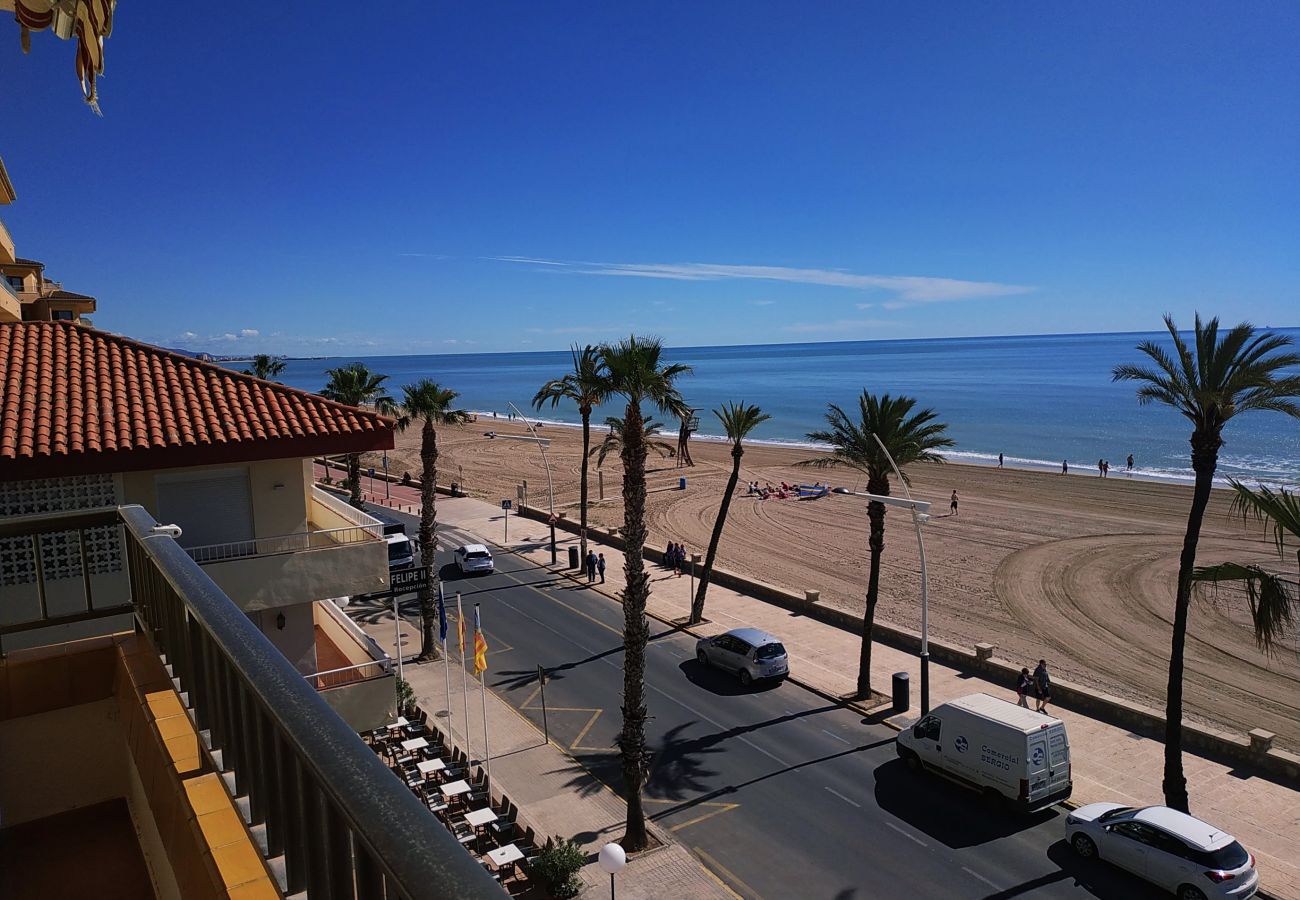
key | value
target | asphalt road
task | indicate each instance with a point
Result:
(779, 791)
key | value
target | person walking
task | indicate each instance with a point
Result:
(1130, 462)
(669, 555)
(679, 559)
(999, 460)
(952, 506)
(1065, 467)
(1101, 468)
(591, 566)
(1042, 686)
(600, 566)
(1023, 684)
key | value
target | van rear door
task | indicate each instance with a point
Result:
(1037, 766)
(1058, 759)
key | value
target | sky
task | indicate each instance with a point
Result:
(436, 178)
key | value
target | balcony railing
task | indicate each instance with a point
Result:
(326, 805)
(311, 539)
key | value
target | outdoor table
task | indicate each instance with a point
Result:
(394, 726)
(505, 856)
(428, 766)
(456, 788)
(415, 744)
(480, 817)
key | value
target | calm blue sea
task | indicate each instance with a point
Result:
(1038, 399)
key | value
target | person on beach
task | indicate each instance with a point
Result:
(1130, 462)
(1101, 468)
(591, 566)
(999, 460)
(952, 506)
(1042, 686)
(1023, 684)
(600, 566)
(1065, 467)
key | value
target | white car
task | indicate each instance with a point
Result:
(474, 559)
(1181, 854)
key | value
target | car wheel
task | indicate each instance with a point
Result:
(702, 657)
(1190, 892)
(1083, 846)
(745, 678)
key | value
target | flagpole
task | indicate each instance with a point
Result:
(482, 681)
(464, 676)
(446, 661)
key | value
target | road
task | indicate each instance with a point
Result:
(781, 792)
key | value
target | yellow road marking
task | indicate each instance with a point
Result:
(577, 742)
(727, 873)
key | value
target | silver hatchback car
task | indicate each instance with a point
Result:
(750, 653)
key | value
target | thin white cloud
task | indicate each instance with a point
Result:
(762, 302)
(909, 289)
(864, 305)
(837, 325)
(249, 332)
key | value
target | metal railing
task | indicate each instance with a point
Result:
(344, 826)
(341, 508)
(311, 539)
(332, 678)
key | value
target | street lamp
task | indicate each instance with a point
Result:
(920, 510)
(612, 860)
(550, 490)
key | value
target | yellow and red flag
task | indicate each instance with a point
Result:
(480, 645)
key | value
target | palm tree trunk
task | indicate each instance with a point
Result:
(876, 543)
(354, 479)
(636, 630)
(428, 536)
(1205, 460)
(582, 502)
(697, 603)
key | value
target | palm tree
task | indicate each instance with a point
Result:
(738, 420)
(1271, 596)
(265, 367)
(355, 385)
(613, 442)
(588, 387)
(637, 372)
(431, 405)
(1208, 384)
(909, 437)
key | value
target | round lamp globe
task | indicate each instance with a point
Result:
(612, 858)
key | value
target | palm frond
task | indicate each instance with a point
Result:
(1271, 597)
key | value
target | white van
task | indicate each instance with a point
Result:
(1002, 750)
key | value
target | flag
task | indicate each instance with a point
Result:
(442, 618)
(480, 645)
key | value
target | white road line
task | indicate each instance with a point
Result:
(836, 736)
(975, 874)
(845, 799)
(910, 837)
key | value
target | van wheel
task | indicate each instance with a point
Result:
(702, 657)
(1084, 846)
(913, 761)
(1190, 892)
(745, 678)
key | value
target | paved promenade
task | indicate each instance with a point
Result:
(1109, 762)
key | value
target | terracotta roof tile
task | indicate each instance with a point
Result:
(77, 400)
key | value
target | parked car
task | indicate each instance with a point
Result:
(473, 559)
(750, 653)
(1178, 852)
(1006, 752)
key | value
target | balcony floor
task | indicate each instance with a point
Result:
(89, 852)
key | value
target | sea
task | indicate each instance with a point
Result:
(1038, 400)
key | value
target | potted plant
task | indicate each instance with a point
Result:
(557, 866)
(405, 698)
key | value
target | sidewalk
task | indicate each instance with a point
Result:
(555, 794)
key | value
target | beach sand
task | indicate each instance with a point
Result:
(1075, 569)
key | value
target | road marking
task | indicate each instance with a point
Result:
(583, 733)
(721, 808)
(845, 799)
(727, 873)
(979, 876)
(910, 837)
(836, 736)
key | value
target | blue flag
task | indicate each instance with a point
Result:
(442, 618)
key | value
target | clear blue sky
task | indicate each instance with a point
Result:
(415, 177)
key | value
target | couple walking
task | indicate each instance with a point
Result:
(595, 564)
(1039, 683)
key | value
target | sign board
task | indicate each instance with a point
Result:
(553, 519)
(506, 504)
(693, 423)
(372, 471)
(408, 581)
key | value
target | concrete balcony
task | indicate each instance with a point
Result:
(341, 553)
(354, 676)
(6, 245)
(11, 309)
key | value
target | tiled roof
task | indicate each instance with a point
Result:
(74, 400)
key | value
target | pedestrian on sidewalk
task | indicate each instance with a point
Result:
(591, 566)
(680, 559)
(1023, 684)
(669, 553)
(600, 565)
(1042, 686)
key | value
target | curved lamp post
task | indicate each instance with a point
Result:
(550, 490)
(612, 860)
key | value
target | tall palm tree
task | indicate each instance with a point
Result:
(613, 440)
(355, 385)
(588, 387)
(738, 420)
(265, 367)
(638, 373)
(1272, 596)
(1208, 383)
(910, 438)
(431, 405)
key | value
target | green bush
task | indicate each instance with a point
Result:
(405, 697)
(557, 867)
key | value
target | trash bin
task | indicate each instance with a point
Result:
(573, 558)
(902, 692)
(455, 489)
(681, 484)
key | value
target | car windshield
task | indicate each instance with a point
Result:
(1114, 813)
(399, 550)
(1233, 856)
(770, 651)
(478, 554)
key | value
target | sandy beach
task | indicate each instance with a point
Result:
(1075, 569)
